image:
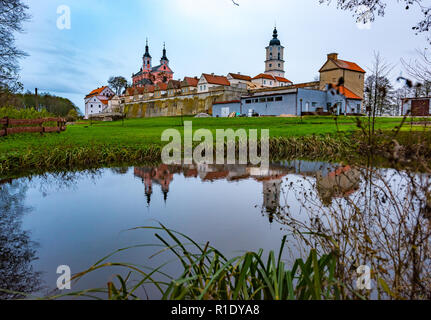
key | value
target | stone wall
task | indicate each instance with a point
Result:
(182, 104)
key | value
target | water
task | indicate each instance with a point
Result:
(75, 219)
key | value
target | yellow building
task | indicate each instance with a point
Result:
(334, 69)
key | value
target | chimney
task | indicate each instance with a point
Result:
(333, 56)
(212, 74)
(239, 73)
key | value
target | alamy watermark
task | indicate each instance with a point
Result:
(64, 20)
(364, 278)
(65, 278)
(227, 142)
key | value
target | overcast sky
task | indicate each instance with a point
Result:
(107, 38)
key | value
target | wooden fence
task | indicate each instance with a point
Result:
(14, 126)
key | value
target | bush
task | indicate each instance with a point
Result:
(30, 113)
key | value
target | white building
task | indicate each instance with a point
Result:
(208, 81)
(97, 101)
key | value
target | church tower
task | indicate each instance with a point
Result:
(147, 59)
(164, 61)
(274, 64)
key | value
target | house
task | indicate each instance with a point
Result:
(416, 107)
(268, 80)
(237, 78)
(160, 90)
(189, 85)
(97, 101)
(208, 81)
(174, 88)
(352, 74)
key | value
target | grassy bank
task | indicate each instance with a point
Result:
(139, 141)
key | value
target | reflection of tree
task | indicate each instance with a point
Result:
(383, 225)
(16, 249)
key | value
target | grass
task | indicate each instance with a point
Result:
(139, 140)
(209, 275)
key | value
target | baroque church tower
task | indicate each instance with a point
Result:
(274, 64)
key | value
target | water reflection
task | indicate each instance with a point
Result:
(17, 251)
(375, 217)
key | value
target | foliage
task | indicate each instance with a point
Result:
(55, 105)
(30, 113)
(12, 15)
(118, 84)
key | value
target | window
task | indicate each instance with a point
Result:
(279, 56)
(270, 83)
(270, 65)
(247, 101)
(256, 100)
(261, 100)
(270, 99)
(314, 104)
(278, 98)
(264, 81)
(279, 65)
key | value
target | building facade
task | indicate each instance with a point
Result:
(97, 101)
(149, 75)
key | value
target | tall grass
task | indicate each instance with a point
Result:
(70, 156)
(210, 275)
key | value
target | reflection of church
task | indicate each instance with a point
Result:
(162, 176)
(331, 181)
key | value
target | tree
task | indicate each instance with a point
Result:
(420, 70)
(367, 10)
(118, 84)
(13, 13)
(378, 87)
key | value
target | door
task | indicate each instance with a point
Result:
(225, 112)
(420, 108)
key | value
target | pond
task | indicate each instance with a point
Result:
(376, 217)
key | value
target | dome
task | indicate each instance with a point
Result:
(275, 41)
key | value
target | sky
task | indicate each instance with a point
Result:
(107, 38)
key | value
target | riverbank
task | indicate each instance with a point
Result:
(134, 141)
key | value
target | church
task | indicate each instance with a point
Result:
(149, 75)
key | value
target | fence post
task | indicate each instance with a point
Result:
(5, 125)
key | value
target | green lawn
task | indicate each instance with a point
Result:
(139, 132)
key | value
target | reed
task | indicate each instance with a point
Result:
(210, 275)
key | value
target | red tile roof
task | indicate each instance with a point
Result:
(219, 80)
(281, 79)
(348, 94)
(191, 82)
(96, 92)
(348, 65)
(264, 76)
(162, 86)
(240, 77)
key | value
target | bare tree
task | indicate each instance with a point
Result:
(12, 15)
(367, 10)
(378, 87)
(420, 70)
